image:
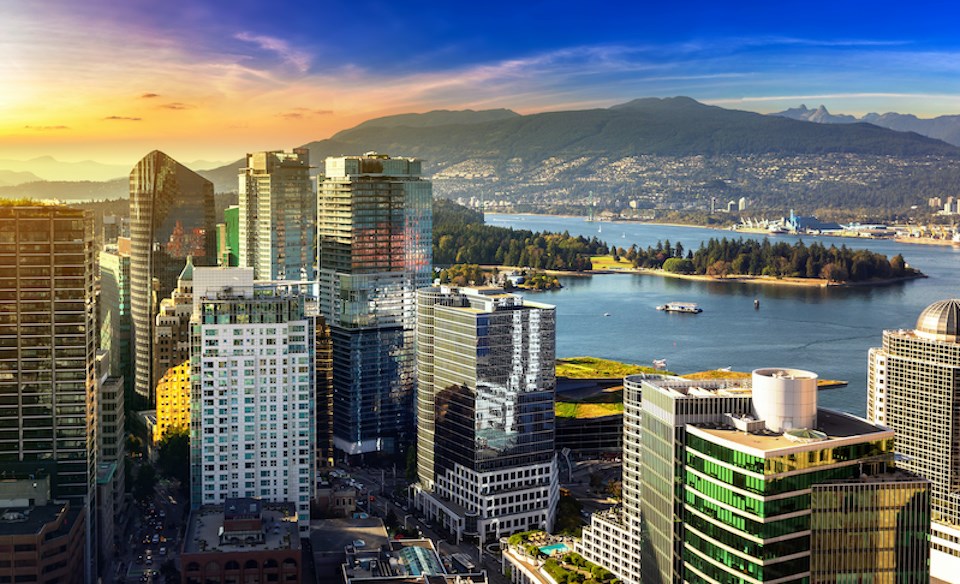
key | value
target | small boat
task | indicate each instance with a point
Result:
(600, 229)
(684, 307)
(660, 363)
(606, 314)
(756, 304)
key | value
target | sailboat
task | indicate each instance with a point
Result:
(600, 229)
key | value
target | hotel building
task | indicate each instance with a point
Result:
(374, 220)
(913, 387)
(485, 411)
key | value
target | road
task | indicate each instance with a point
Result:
(146, 524)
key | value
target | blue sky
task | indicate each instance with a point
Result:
(217, 77)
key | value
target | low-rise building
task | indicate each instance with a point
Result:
(243, 540)
(40, 540)
(407, 561)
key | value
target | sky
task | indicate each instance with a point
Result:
(202, 79)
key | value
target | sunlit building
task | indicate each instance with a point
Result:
(485, 411)
(253, 370)
(374, 221)
(749, 481)
(913, 387)
(171, 218)
(278, 216)
(171, 356)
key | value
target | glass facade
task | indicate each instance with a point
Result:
(374, 226)
(277, 216)
(171, 217)
(48, 396)
(115, 321)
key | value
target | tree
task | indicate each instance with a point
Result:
(174, 455)
(412, 462)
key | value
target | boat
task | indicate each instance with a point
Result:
(606, 314)
(684, 307)
(756, 304)
(660, 363)
(600, 229)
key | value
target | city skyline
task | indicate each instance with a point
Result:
(213, 80)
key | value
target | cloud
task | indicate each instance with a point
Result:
(299, 113)
(280, 47)
(123, 118)
(149, 95)
(176, 105)
(41, 128)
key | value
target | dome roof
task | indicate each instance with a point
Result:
(940, 321)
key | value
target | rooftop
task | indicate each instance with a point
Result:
(397, 561)
(31, 520)
(334, 535)
(836, 426)
(278, 530)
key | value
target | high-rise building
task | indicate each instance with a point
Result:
(485, 411)
(278, 216)
(171, 217)
(48, 396)
(228, 238)
(111, 460)
(252, 419)
(374, 221)
(115, 322)
(171, 356)
(748, 481)
(913, 387)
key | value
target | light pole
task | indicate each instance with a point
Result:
(405, 517)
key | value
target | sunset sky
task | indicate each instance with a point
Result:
(110, 81)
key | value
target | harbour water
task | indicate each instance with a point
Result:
(825, 330)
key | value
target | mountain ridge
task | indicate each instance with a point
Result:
(945, 128)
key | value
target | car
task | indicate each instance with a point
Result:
(163, 550)
(146, 540)
(163, 539)
(140, 559)
(155, 539)
(163, 514)
(148, 561)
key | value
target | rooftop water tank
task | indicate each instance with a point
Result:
(785, 398)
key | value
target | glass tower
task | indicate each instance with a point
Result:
(277, 216)
(913, 386)
(115, 322)
(374, 224)
(485, 411)
(171, 217)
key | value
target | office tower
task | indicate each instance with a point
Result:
(115, 322)
(228, 238)
(375, 221)
(278, 216)
(171, 217)
(485, 411)
(748, 481)
(913, 387)
(113, 228)
(48, 397)
(111, 459)
(252, 419)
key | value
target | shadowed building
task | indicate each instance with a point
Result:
(374, 221)
(171, 217)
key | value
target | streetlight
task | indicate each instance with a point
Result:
(405, 517)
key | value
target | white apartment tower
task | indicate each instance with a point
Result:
(252, 419)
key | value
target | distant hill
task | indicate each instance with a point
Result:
(946, 128)
(10, 177)
(49, 168)
(69, 190)
(441, 118)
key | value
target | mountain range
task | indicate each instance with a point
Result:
(946, 128)
(670, 151)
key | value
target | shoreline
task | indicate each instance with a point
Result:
(734, 279)
(926, 241)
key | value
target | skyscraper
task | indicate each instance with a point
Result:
(48, 396)
(748, 481)
(913, 386)
(252, 419)
(171, 217)
(171, 356)
(115, 321)
(485, 411)
(278, 216)
(374, 221)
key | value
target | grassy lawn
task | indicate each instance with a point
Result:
(590, 367)
(586, 410)
(721, 374)
(605, 262)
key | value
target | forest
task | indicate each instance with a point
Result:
(726, 257)
(461, 237)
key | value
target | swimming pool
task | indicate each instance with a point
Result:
(554, 547)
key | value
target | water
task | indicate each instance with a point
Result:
(825, 330)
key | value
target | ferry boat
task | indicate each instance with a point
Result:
(684, 307)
